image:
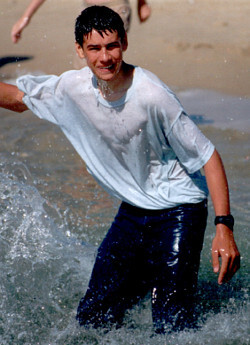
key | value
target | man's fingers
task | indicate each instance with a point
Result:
(229, 267)
(224, 271)
(234, 265)
(225, 250)
(215, 261)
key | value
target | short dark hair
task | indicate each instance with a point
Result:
(99, 18)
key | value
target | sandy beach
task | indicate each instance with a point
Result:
(188, 43)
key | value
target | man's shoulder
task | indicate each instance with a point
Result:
(148, 76)
(151, 85)
(81, 74)
(72, 80)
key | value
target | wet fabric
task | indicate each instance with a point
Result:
(156, 251)
(142, 148)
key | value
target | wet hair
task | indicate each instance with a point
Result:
(99, 18)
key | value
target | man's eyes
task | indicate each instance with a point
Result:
(109, 47)
(113, 46)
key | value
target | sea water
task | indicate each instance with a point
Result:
(53, 216)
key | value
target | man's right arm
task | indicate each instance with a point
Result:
(11, 98)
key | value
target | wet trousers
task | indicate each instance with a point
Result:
(147, 250)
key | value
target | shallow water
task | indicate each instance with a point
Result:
(53, 216)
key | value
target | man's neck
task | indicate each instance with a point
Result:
(115, 89)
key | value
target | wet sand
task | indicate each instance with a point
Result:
(189, 43)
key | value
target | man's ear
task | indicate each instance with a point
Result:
(125, 43)
(79, 51)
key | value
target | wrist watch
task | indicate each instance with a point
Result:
(226, 220)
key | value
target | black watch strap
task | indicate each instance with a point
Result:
(226, 220)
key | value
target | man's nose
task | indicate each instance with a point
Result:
(104, 55)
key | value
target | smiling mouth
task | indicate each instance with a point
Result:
(106, 67)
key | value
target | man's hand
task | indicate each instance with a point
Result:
(225, 247)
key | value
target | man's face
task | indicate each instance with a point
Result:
(103, 54)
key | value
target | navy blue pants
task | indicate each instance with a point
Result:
(147, 250)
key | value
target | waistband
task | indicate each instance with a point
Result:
(137, 211)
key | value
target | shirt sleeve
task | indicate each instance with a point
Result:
(42, 95)
(190, 145)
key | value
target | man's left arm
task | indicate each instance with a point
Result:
(223, 244)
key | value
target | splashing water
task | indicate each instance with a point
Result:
(45, 265)
(45, 270)
(42, 269)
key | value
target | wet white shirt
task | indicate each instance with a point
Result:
(143, 148)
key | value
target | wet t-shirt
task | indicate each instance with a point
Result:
(143, 148)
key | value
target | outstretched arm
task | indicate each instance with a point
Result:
(11, 98)
(24, 20)
(223, 245)
(144, 10)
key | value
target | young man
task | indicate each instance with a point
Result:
(141, 147)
